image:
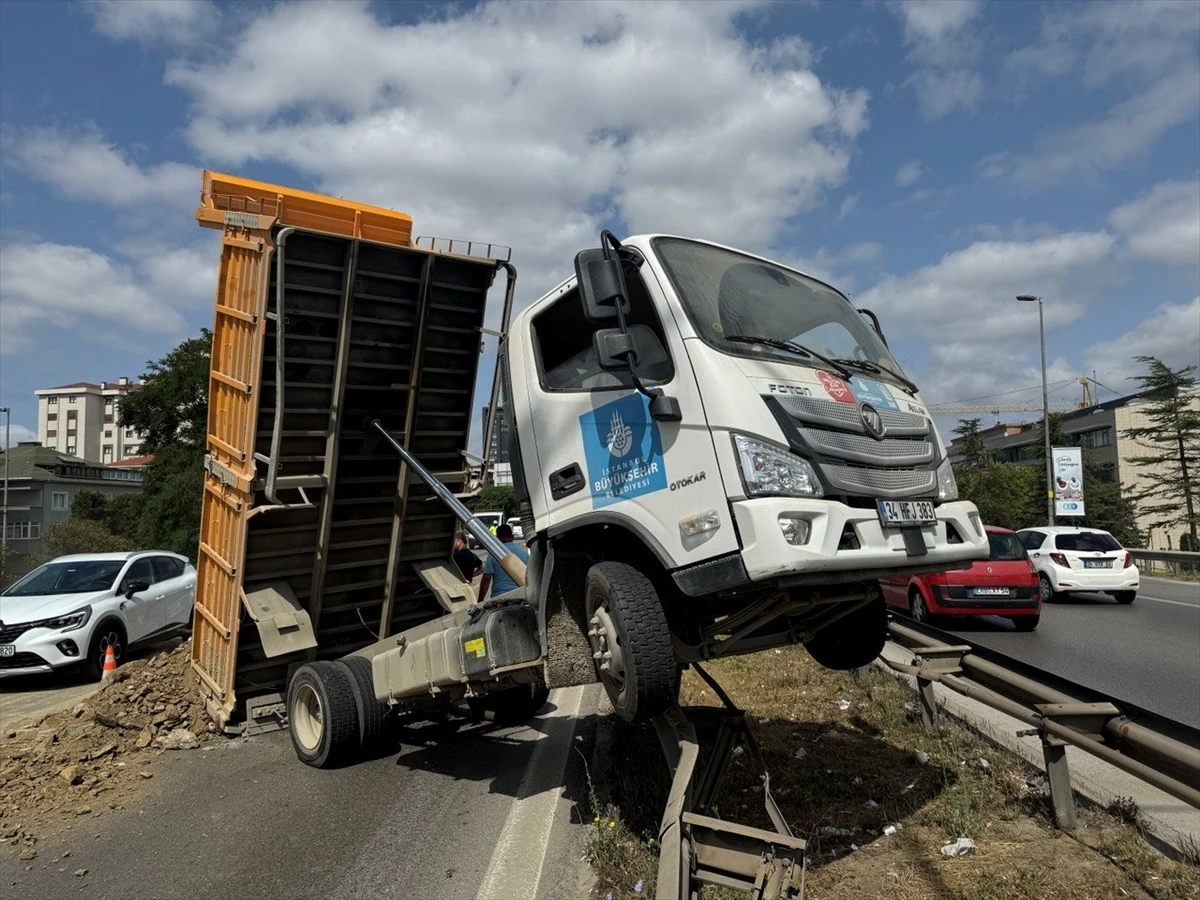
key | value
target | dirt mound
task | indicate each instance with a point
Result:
(85, 760)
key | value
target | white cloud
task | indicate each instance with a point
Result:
(1171, 333)
(909, 173)
(18, 434)
(175, 21)
(963, 308)
(847, 207)
(84, 166)
(944, 48)
(1164, 223)
(78, 289)
(1126, 132)
(534, 123)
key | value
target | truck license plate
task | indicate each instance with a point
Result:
(1097, 563)
(8, 650)
(990, 592)
(896, 513)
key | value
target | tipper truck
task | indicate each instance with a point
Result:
(712, 454)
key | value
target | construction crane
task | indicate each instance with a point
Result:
(1088, 400)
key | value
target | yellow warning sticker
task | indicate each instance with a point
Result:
(475, 646)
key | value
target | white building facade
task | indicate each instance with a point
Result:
(81, 419)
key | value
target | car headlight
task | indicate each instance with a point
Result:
(768, 470)
(70, 621)
(947, 485)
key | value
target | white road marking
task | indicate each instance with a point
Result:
(516, 865)
(1175, 602)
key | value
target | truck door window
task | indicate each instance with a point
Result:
(563, 343)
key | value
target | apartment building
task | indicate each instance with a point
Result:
(81, 420)
(1100, 431)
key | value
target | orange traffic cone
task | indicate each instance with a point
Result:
(110, 663)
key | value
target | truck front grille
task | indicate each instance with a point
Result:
(850, 461)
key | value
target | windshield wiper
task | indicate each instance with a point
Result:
(869, 366)
(790, 347)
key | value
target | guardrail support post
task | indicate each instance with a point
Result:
(1054, 753)
(929, 711)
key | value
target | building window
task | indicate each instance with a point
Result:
(129, 434)
(52, 401)
(51, 435)
(108, 451)
(23, 531)
(1099, 437)
(52, 417)
(71, 449)
(58, 501)
(108, 404)
(108, 432)
(71, 400)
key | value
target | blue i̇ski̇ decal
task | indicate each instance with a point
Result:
(873, 393)
(623, 450)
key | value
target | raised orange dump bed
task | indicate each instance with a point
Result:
(309, 533)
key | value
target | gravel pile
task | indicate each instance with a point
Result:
(84, 761)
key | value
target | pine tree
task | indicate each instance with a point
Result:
(971, 451)
(1169, 471)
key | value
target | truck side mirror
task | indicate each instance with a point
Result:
(601, 285)
(638, 351)
(874, 323)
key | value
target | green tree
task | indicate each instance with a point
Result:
(120, 514)
(81, 536)
(1005, 493)
(971, 451)
(495, 497)
(90, 505)
(1169, 470)
(171, 411)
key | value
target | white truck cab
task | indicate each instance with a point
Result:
(717, 454)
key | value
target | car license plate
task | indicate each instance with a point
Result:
(990, 592)
(1097, 563)
(896, 513)
(8, 650)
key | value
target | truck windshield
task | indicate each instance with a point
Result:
(728, 295)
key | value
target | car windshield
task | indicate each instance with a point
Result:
(727, 294)
(1005, 546)
(1088, 541)
(68, 578)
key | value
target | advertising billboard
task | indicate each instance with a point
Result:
(1068, 481)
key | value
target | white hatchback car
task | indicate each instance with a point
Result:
(71, 610)
(1071, 559)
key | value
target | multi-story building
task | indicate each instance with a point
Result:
(82, 419)
(501, 463)
(42, 484)
(1101, 431)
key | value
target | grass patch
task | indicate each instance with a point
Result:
(848, 756)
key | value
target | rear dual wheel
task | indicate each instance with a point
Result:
(332, 711)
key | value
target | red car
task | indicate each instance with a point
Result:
(1004, 584)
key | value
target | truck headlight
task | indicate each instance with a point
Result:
(947, 485)
(70, 621)
(768, 470)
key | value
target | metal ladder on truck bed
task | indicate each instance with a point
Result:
(696, 849)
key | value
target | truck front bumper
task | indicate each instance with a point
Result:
(766, 554)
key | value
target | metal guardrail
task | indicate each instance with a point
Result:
(1161, 752)
(1186, 557)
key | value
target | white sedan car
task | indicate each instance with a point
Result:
(69, 611)
(1071, 559)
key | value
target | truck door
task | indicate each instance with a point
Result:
(601, 458)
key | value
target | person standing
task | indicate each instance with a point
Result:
(494, 576)
(468, 563)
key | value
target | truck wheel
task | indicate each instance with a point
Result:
(371, 712)
(512, 705)
(852, 641)
(322, 716)
(631, 642)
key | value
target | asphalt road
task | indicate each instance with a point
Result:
(1147, 653)
(460, 813)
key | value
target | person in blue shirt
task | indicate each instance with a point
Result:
(494, 576)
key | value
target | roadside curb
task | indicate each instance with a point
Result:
(1173, 823)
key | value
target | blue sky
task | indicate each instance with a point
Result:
(931, 158)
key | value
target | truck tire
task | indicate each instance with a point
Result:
(512, 705)
(853, 641)
(322, 715)
(371, 712)
(627, 622)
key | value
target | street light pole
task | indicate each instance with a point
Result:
(1029, 298)
(7, 453)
